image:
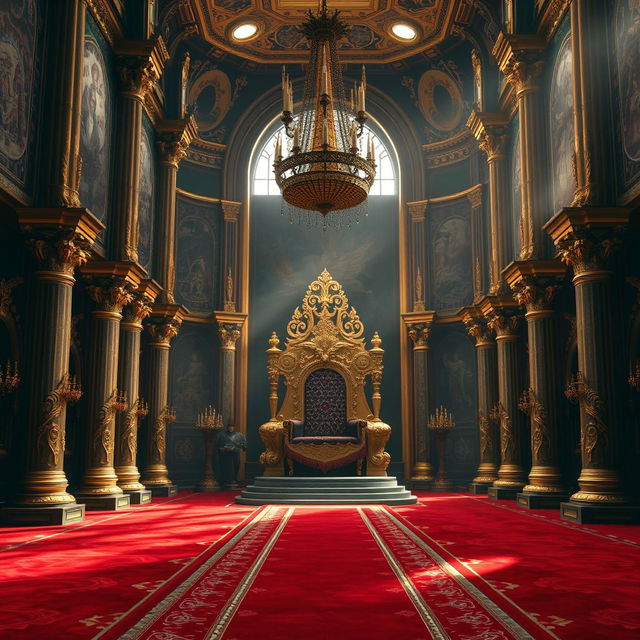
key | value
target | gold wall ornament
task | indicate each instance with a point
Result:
(324, 332)
(507, 444)
(530, 404)
(485, 435)
(103, 437)
(159, 433)
(418, 303)
(50, 439)
(594, 436)
(229, 296)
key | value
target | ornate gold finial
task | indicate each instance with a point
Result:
(274, 341)
(376, 341)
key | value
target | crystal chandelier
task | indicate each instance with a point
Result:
(324, 172)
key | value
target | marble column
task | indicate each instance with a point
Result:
(163, 325)
(110, 286)
(520, 59)
(586, 240)
(140, 65)
(419, 329)
(502, 318)
(174, 137)
(492, 132)
(487, 381)
(126, 443)
(535, 284)
(61, 240)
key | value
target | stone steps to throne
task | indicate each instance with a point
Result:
(333, 490)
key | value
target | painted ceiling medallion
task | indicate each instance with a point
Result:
(369, 39)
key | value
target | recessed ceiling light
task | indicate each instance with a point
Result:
(244, 31)
(403, 31)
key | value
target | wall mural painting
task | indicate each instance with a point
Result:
(19, 27)
(192, 373)
(628, 56)
(146, 200)
(562, 127)
(454, 361)
(516, 192)
(95, 130)
(450, 257)
(197, 251)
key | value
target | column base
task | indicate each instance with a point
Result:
(503, 493)
(599, 514)
(58, 515)
(141, 496)
(164, 491)
(479, 488)
(106, 503)
(422, 484)
(442, 485)
(540, 500)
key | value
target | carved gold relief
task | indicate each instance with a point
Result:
(103, 436)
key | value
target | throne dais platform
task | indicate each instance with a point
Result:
(326, 490)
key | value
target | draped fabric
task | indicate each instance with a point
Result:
(325, 404)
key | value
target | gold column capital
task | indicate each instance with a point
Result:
(419, 324)
(535, 282)
(164, 322)
(60, 237)
(501, 314)
(111, 285)
(230, 210)
(586, 237)
(491, 130)
(140, 64)
(417, 210)
(476, 325)
(174, 137)
(519, 57)
(229, 335)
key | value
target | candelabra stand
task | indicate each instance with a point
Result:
(441, 423)
(209, 422)
(9, 378)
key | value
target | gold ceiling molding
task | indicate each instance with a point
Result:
(206, 154)
(444, 152)
(108, 15)
(551, 16)
(370, 39)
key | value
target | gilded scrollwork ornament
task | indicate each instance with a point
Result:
(6, 294)
(507, 440)
(595, 433)
(486, 441)
(103, 436)
(50, 439)
(540, 440)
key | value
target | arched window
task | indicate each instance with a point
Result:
(264, 182)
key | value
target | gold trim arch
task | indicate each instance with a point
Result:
(325, 332)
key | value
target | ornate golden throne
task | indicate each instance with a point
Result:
(325, 420)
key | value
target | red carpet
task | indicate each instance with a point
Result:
(456, 566)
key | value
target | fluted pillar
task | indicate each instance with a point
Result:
(126, 442)
(492, 132)
(535, 285)
(61, 164)
(174, 137)
(502, 318)
(110, 287)
(140, 65)
(586, 239)
(419, 329)
(487, 383)
(520, 59)
(60, 240)
(596, 182)
(163, 326)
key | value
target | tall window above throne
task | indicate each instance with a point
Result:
(264, 182)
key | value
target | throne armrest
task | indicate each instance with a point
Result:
(354, 428)
(295, 428)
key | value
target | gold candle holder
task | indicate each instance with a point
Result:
(441, 423)
(209, 422)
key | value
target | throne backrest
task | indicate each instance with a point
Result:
(325, 403)
(324, 333)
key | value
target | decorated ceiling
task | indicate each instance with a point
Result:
(370, 38)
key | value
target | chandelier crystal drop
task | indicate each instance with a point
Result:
(321, 172)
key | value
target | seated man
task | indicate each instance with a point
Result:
(229, 443)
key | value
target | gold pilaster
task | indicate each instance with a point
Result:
(492, 132)
(174, 137)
